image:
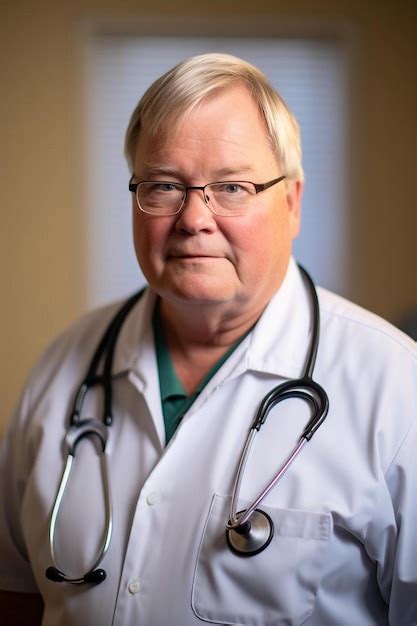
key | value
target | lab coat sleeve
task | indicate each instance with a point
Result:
(390, 538)
(401, 481)
(15, 570)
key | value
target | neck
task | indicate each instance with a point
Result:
(197, 338)
(199, 326)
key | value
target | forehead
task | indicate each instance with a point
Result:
(226, 125)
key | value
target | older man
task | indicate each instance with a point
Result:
(216, 183)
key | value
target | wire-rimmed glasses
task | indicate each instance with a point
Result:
(226, 198)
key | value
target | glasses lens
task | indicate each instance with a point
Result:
(160, 198)
(230, 198)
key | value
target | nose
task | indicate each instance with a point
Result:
(195, 216)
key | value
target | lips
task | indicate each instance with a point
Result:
(193, 255)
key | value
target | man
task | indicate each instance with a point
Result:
(216, 184)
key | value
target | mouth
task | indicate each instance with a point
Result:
(193, 257)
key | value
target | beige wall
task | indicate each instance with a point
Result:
(43, 252)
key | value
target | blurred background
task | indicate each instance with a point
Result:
(71, 73)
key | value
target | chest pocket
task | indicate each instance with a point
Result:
(273, 588)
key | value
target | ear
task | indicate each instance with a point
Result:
(294, 195)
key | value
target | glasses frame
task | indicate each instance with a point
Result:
(259, 187)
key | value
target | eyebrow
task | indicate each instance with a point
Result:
(240, 170)
(154, 169)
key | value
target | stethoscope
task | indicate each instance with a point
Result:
(81, 428)
(248, 532)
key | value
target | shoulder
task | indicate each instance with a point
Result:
(369, 363)
(67, 358)
(368, 355)
(353, 328)
(76, 342)
(369, 369)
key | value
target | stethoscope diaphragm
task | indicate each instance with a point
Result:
(253, 536)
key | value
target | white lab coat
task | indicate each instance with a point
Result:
(344, 550)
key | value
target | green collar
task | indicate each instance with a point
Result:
(169, 383)
(174, 399)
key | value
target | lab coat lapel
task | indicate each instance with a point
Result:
(279, 343)
(135, 357)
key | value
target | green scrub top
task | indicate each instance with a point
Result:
(174, 399)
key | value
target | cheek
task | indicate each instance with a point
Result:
(258, 238)
(149, 236)
(261, 246)
(138, 236)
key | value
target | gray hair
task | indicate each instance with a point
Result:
(188, 83)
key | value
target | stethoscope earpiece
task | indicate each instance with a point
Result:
(54, 574)
(94, 577)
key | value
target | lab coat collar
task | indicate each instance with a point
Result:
(135, 357)
(277, 345)
(135, 345)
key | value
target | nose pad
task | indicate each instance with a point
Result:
(196, 202)
(196, 214)
(196, 191)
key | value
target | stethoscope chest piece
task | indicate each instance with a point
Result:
(251, 537)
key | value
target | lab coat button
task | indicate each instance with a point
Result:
(134, 586)
(152, 498)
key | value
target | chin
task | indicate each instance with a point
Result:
(196, 291)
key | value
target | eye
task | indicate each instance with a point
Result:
(231, 188)
(163, 187)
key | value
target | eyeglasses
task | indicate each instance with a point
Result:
(227, 198)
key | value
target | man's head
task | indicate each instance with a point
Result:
(203, 123)
(188, 83)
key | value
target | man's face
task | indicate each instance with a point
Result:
(197, 257)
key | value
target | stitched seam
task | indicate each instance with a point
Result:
(373, 327)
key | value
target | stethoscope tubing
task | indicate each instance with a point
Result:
(304, 388)
(81, 428)
(234, 520)
(108, 529)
